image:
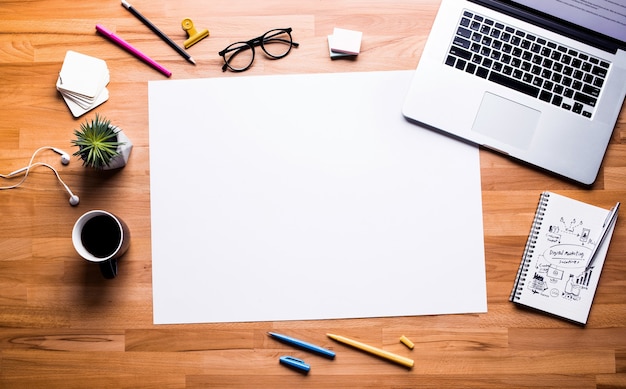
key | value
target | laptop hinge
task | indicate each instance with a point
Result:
(553, 24)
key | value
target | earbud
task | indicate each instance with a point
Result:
(74, 200)
(65, 159)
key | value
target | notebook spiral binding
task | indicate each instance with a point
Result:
(529, 250)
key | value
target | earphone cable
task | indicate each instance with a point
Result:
(27, 170)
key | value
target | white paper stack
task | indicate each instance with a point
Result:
(82, 82)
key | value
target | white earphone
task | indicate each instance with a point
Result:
(65, 159)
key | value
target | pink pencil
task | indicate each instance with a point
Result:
(121, 42)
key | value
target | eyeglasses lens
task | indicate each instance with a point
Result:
(277, 43)
(239, 56)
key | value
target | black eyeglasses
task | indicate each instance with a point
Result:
(275, 43)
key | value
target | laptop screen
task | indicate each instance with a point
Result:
(607, 17)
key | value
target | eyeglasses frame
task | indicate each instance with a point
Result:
(258, 41)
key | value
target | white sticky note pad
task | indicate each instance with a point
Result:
(345, 41)
(334, 55)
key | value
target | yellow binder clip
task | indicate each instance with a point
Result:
(194, 35)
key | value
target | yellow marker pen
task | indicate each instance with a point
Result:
(407, 362)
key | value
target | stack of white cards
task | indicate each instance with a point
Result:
(82, 82)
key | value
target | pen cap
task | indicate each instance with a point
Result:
(294, 363)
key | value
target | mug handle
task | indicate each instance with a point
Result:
(109, 268)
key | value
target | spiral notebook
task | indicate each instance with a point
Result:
(556, 274)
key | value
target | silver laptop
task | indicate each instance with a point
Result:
(542, 81)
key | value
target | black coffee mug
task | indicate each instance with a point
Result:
(101, 237)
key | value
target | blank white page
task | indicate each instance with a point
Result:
(300, 197)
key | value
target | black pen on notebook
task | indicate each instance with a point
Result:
(156, 30)
(610, 218)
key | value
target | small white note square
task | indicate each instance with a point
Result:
(83, 75)
(345, 41)
(82, 82)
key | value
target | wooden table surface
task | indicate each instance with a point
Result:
(63, 325)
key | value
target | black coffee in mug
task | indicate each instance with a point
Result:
(101, 236)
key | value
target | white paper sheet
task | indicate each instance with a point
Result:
(308, 197)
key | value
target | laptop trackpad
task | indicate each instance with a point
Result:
(506, 121)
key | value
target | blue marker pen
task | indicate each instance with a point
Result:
(303, 345)
(295, 363)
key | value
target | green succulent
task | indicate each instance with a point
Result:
(97, 142)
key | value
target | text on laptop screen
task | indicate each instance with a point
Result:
(607, 17)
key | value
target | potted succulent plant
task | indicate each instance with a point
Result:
(102, 145)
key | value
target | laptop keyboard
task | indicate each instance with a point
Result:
(528, 63)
